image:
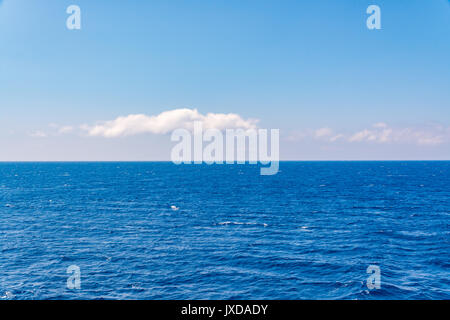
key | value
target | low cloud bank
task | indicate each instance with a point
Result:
(380, 133)
(431, 134)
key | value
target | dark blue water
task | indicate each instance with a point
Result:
(309, 232)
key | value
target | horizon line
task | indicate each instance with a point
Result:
(169, 161)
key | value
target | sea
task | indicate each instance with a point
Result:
(156, 230)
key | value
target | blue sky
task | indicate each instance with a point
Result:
(335, 89)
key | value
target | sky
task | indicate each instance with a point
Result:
(136, 70)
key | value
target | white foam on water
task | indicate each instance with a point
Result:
(241, 223)
(8, 295)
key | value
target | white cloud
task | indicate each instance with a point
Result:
(323, 132)
(65, 129)
(381, 133)
(38, 134)
(380, 125)
(360, 136)
(166, 122)
(336, 137)
(430, 141)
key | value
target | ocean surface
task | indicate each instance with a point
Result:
(162, 231)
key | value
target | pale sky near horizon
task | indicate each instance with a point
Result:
(334, 88)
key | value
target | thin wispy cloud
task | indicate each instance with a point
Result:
(380, 133)
(38, 134)
(65, 129)
(323, 132)
(166, 122)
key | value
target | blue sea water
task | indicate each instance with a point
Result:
(162, 231)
